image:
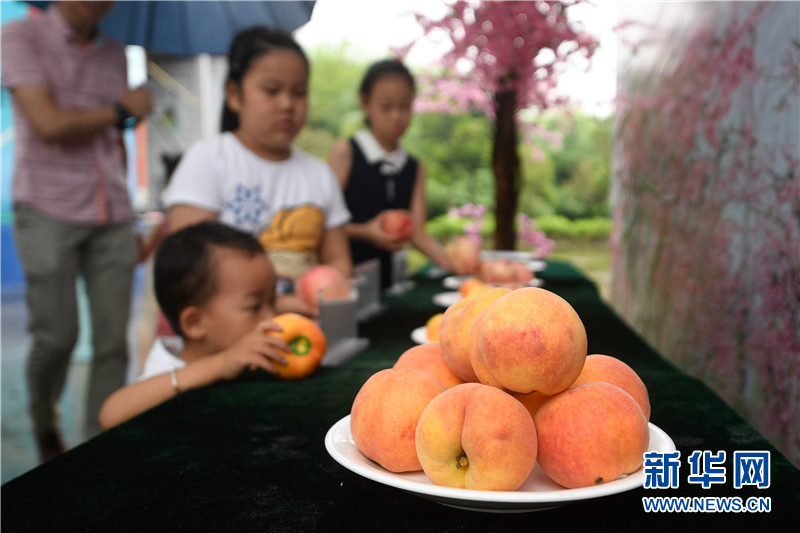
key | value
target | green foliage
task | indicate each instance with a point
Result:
(317, 142)
(456, 152)
(444, 227)
(333, 90)
(582, 165)
(589, 229)
(539, 195)
(559, 184)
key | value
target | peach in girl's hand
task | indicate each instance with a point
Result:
(398, 223)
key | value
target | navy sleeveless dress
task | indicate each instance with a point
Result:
(369, 192)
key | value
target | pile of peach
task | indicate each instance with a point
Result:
(509, 385)
(465, 255)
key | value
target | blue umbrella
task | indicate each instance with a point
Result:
(191, 28)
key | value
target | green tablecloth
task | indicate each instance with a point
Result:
(249, 455)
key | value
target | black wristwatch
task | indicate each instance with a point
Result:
(124, 117)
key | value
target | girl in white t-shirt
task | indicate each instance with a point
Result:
(252, 177)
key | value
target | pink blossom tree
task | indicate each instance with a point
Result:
(706, 255)
(506, 57)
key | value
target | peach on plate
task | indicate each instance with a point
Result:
(496, 271)
(591, 434)
(599, 367)
(504, 271)
(428, 358)
(385, 412)
(454, 330)
(478, 366)
(464, 253)
(472, 286)
(532, 401)
(474, 436)
(432, 327)
(531, 339)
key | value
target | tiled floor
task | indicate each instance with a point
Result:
(17, 445)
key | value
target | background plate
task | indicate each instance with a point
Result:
(534, 264)
(537, 493)
(446, 299)
(420, 335)
(454, 282)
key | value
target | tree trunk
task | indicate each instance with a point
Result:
(505, 163)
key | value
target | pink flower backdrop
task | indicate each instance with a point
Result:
(706, 259)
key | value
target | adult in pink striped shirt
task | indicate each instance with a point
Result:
(71, 207)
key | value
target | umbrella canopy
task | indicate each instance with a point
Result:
(190, 28)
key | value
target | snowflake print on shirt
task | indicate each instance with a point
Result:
(247, 207)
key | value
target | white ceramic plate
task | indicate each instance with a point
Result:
(446, 299)
(537, 493)
(454, 282)
(420, 335)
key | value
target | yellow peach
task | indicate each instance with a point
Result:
(599, 367)
(454, 330)
(531, 339)
(474, 436)
(432, 327)
(428, 357)
(384, 416)
(591, 434)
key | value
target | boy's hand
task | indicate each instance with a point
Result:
(257, 349)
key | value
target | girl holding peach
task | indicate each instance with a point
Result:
(382, 183)
(253, 177)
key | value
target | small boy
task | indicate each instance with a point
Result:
(216, 287)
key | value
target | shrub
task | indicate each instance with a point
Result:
(444, 227)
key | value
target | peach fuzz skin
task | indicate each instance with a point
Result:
(591, 434)
(532, 401)
(477, 437)
(455, 326)
(428, 358)
(478, 366)
(532, 340)
(385, 413)
(600, 367)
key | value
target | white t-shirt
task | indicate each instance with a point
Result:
(286, 204)
(164, 356)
